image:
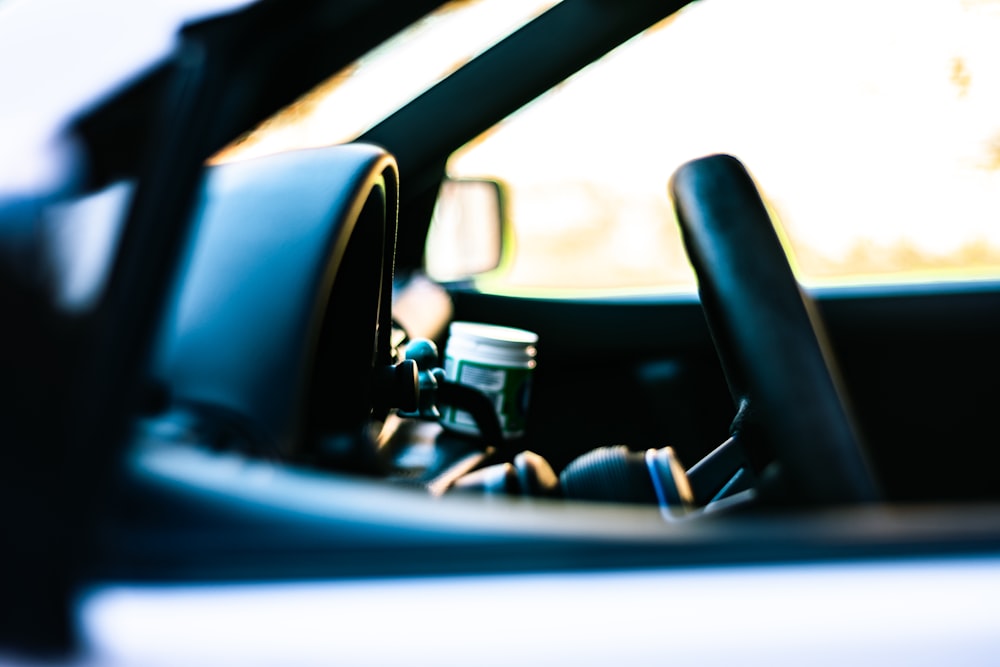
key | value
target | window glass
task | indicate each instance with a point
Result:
(872, 127)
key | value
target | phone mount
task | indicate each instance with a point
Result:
(435, 392)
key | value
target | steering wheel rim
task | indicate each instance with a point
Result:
(770, 341)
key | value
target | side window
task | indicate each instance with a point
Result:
(873, 128)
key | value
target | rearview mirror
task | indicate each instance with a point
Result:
(466, 233)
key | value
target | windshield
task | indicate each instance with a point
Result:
(872, 128)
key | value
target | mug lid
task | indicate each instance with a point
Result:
(493, 333)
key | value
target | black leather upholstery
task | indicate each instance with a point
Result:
(251, 331)
(768, 335)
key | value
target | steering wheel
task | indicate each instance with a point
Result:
(769, 339)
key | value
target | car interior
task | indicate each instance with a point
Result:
(256, 392)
